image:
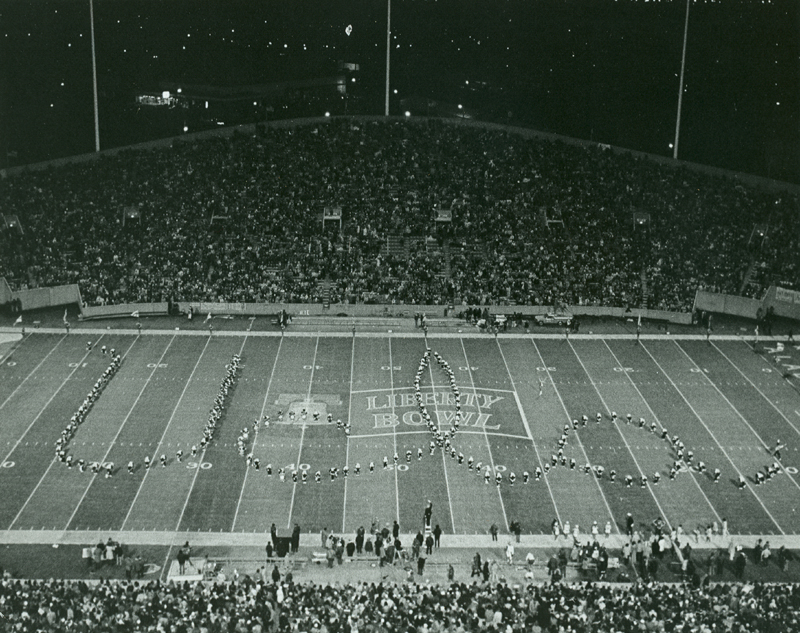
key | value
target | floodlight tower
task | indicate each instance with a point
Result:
(388, 48)
(680, 87)
(94, 82)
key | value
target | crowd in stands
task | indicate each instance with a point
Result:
(275, 604)
(239, 218)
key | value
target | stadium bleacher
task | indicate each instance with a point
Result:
(273, 247)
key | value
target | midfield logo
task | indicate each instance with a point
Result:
(473, 409)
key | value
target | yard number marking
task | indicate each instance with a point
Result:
(203, 465)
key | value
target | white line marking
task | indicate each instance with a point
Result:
(577, 436)
(164, 434)
(488, 443)
(38, 415)
(624, 439)
(33, 371)
(741, 417)
(255, 434)
(394, 434)
(426, 432)
(423, 388)
(349, 418)
(530, 435)
(655, 417)
(303, 431)
(772, 404)
(203, 454)
(724, 452)
(119, 430)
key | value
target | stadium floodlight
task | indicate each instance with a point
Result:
(408, 113)
(165, 94)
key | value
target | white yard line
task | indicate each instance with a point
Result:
(427, 432)
(255, 434)
(119, 430)
(622, 435)
(771, 403)
(441, 450)
(164, 434)
(535, 448)
(349, 417)
(38, 415)
(724, 452)
(203, 454)
(485, 435)
(399, 389)
(741, 417)
(655, 417)
(394, 433)
(303, 432)
(577, 435)
(33, 371)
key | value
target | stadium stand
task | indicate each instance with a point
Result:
(239, 218)
(252, 605)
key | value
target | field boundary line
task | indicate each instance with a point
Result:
(33, 371)
(655, 417)
(738, 413)
(255, 434)
(577, 435)
(119, 430)
(38, 415)
(714, 437)
(763, 395)
(485, 435)
(166, 428)
(303, 431)
(349, 415)
(533, 442)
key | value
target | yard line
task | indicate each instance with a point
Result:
(743, 419)
(203, 454)
(444, 461)
(394, 432)
(535, 448)
(724, 452)
(303, 432)
(655, 417)
(426, 432)
(33, 371)
(164, 434)
(38, 415)
(772, 404)
(22, 340)
(624, 439)
(255, 434)
(577, 435)
(349, 415)
(119, 430)
(423, 388)
(485, 434)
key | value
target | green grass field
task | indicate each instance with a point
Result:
(727, 403)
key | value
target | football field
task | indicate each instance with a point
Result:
(728, 405)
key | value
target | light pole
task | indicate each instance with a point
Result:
(94, 82)
(680, 87)
(388, 48)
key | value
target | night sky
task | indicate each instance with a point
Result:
(605, 70)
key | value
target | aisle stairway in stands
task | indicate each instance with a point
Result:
(324, 288)
(645, 291)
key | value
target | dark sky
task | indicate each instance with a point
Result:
(605, 70)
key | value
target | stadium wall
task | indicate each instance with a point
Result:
(786, 303)
(360, 310)
(5, 291)
(37, 298)
(727, 304)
